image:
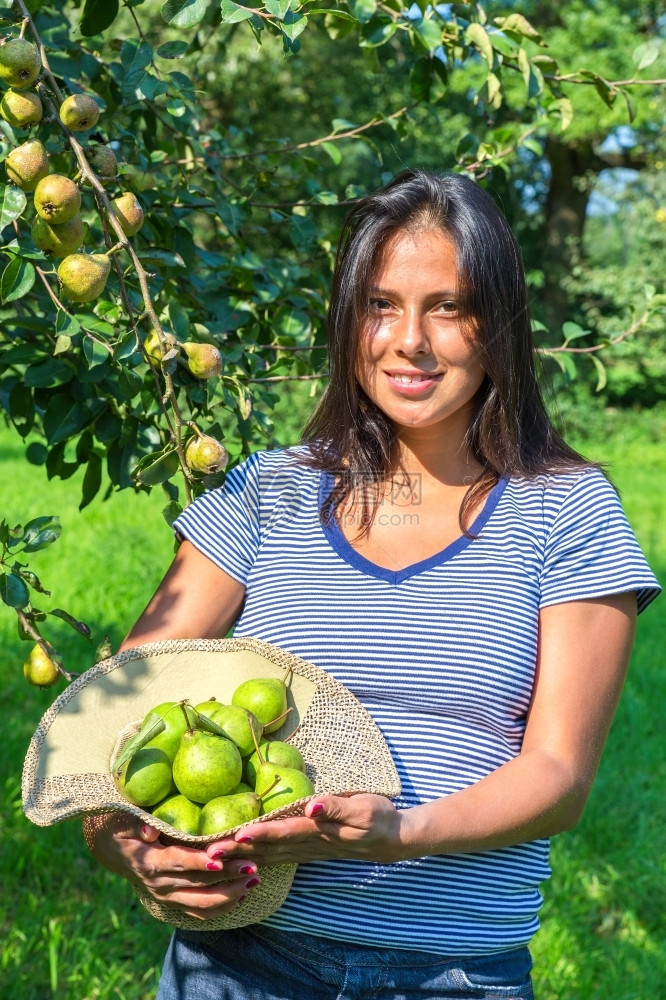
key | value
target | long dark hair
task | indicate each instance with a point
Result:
(510, 433)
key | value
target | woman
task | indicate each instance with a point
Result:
(437, 547)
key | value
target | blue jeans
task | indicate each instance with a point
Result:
(259, 963)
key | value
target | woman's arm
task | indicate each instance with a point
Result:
(584, 650)
(195, 599)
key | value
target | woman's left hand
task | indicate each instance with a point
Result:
(365, 827)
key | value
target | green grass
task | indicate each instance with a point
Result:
(72, 931)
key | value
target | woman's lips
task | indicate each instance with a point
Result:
(415, 386)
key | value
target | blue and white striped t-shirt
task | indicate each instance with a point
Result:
(442, 655)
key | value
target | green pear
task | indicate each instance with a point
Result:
(20, 63)
(203, 360)
(145, 779)
(174, 719)
(58, 241)
(277, 786)
(275, 752)
(27, 165)
(79, 112)
(41, 669)
(266, 698)
(84, 275)
(206, 766)
(238, 724)
(179, 812)
(103, 160)
(57, 199)
(128, 212)
(205, 455)
(242, 787)
(227, 811)
(21, 108)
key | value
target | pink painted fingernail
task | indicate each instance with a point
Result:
(248, 870)
(212, 867)
(144, 830)
(251, 882)
(218, 854)
(244, 840)
(316, 809)
(242, 898)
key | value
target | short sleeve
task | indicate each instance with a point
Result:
(591, 550)
(224, 523)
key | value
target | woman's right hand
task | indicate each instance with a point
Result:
(182, 877)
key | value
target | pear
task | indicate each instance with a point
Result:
(58, 241)
(145, 779)
(20, 64)
(238, 724)
(227, 811)
(179, 812)
(42, 669)
(276, 752)
(27, 165)
(153, 347)
(203, 360)
(176, 719)
(128, 212)
(204, 454)
(266, 698)
(79, 112)
(21, 108)
(84, 275)
(57, 199)
(242, 787)
(103, 160)
(277, 786)
(206, 766)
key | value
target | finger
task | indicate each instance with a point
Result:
(245, 841)
(208, 899)
(334, 808)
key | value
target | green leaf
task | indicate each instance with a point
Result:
(519, 25)
(232, 12)
(429, 33)
(362, 10)
(183, 13)
(14, 591)
(172, 50)
(156, 468)
(172, 510)
(476, 34)
(63, 418)
(377, 31)
(572, 331)
(13, 205)
(333, 152)
(138, 742)
(48, 374)
(277, 7)
(98, 15)
(166, 257)
(602, 377)
(95, 353)
(17, 279)
(565, 108)
(66, 324)
(208, 726)
(293, 24)
(92, 480)
(41, 532)
(78, 626)
(644, 55)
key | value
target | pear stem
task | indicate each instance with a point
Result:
(270, 787)
(256, 745)
(190, 727)
(285, 678)
(278, 717)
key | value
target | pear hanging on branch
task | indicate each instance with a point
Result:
(83, 276)
(57, 199)
(42, 669)
(103, 161)
(20, 64)
(27, 165)
(203, 360)
(205, 455)
(21, 108)
(58, 241)
(79, 112)
(128, 212)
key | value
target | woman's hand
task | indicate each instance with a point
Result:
(183, 877)
(366, 827)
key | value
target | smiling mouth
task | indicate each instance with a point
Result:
(415, 378)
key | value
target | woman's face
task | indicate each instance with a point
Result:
(414, 361)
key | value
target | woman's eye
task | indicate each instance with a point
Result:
(380, 305)
(449, 306)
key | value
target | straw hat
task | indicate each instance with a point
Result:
(67, 767)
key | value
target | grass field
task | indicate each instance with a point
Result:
(72, 931)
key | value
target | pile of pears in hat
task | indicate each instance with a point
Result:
(208, 768)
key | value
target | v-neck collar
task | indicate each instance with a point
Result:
(347, 552)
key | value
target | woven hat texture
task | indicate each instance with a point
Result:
(67, 767)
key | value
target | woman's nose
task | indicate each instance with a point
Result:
(411, 336)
